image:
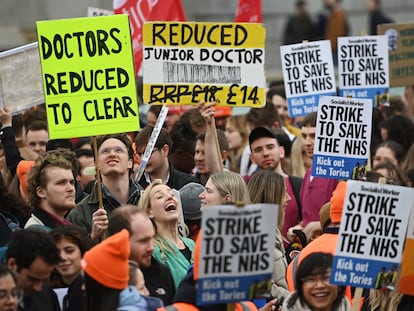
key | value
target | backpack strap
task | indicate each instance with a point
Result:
(296, 183)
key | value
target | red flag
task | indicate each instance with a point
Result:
(249, 11)
(141, 11)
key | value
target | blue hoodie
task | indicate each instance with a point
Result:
(131, 300)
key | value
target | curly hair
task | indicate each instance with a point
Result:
(37, 176)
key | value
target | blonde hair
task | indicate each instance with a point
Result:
(238, 122)
(297, 165)
(144, 204)
(266, 186)
(229, 183)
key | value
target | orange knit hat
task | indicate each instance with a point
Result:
(337, 202)
(22, 171)
(107, 262)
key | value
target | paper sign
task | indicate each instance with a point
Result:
(371, 235)
(363, 69)
(342, 138)
(400, 38)
(21, 78)
(185, 63)
(308, 73)
(88, 76)
(237, 252)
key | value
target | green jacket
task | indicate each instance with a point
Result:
(175, 260)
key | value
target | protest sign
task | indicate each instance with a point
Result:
(21, 78)
(185, 63)
(363, 69)
(407, 266)
(88, 76)
(237, 250)
(400, 38)
(92, 11)
(308, 73)
(342, 138)
(371, 235)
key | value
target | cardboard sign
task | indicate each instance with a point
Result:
(371, 235)
(237, 252)
(88, 76)
(308, 73)
(21, 78)
(400, 38)
(185, 63)
(363, 69)
(342, 138)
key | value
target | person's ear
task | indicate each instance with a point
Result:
(40, 192)
(276, 125)
(11, 263)
(282, 151)
(165, 150)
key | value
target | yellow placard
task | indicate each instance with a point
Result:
(185, 63)
(88, 76)
(401, 52)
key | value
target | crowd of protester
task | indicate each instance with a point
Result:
(139, 252)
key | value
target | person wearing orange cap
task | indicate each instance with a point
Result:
(37, 136)
(106, 270)
(22, 171)
(222, 113)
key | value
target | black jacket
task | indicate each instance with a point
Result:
(176, 180)
(45, 300)
(159, 281)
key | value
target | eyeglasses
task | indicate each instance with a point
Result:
(15, 293)
(140, 154)
(117, 149)
(311, 281)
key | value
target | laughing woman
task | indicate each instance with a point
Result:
(175, 251)
(313, 291)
